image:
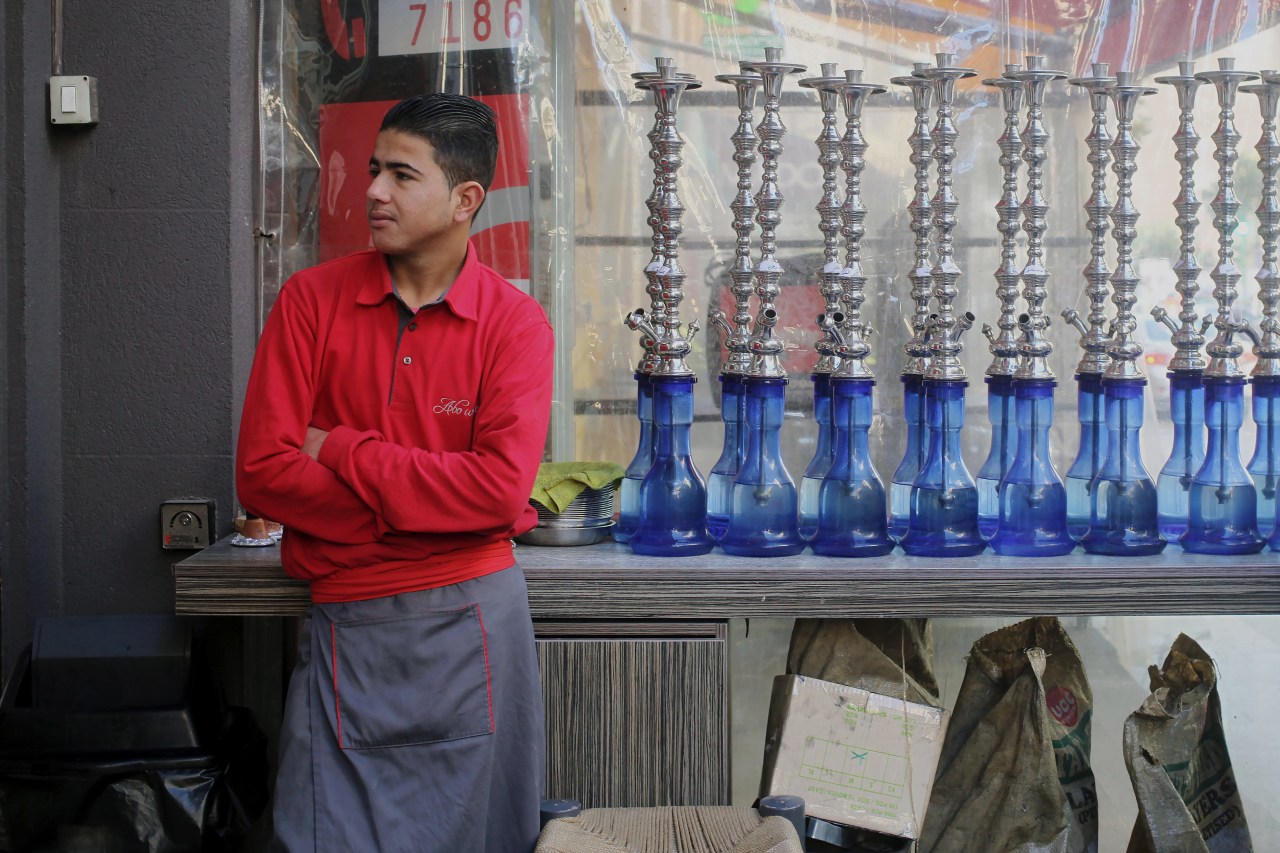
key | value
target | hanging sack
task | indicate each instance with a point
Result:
(1014, 773)
(1176, 752)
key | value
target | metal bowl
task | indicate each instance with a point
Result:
(565, 536)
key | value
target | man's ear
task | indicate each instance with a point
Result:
(468, 195)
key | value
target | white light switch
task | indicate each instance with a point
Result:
(73, 100)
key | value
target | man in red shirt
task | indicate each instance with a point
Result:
(394, 421)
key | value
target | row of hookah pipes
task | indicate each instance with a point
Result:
(1203, 497)
(1018, 505)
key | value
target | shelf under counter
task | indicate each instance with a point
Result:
(607, 581)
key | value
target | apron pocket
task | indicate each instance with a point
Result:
(415, 679)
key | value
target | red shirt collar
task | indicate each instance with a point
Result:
(461, 297)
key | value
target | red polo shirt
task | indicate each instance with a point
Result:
(435, 429)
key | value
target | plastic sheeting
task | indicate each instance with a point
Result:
(588, 178)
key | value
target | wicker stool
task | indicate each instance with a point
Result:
(682, 829)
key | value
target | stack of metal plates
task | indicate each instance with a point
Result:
(585, 521)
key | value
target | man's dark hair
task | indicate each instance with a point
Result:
(461, 130)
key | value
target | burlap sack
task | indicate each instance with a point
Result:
(1176, 752)
(892, 657)
(1014, 773)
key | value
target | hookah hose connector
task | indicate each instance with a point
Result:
(1243, 328)
(638, 322)
(964, 322)
(1162, 317)
(716, 319)
(1073, 319)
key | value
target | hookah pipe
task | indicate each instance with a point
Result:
(737, 337)
(1095, 336)
(1223, 514)
(1265, 376)
(940, 523)
(1122, 497)
(829, 211)
(1032, 498)
(1186, 369)
(672, 496)
(764, 518)
(1004, 346)
(921, 278)
(852, 506)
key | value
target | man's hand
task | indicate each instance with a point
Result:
(315, 438)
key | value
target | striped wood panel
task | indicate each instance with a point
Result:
(608, 582)
(636, 722)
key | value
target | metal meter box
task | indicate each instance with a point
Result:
(187, 523)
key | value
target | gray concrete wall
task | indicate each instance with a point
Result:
(129, 301)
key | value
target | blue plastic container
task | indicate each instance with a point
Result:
(733, 404)
(1090, 454)
(1173, 485)
(1122, 520)
(811, 482)
(1004, 441)
(1264, 467)
(1033, 500)
(1223, 516)
(912, 458)
(763, 521)
(944, 499)
(852, 504)
(629, 493)
(673, 498)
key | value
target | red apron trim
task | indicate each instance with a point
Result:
(337, 700)
(488, 684)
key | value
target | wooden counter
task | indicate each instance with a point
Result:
(607, 581)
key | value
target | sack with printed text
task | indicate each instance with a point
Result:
(1015, 772)
(1176, 752)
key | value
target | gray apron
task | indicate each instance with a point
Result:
(414, 723)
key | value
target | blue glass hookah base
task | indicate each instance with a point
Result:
(1264, 467)
(629, 494)
(811, 482)
(673, 498)
(1033, 501)
(852, 505)
(725, 471)
(1122, 518)
(944, 499)
(1223, 517)
(1004, 438)
(912, 457)
(1173, 484)
(1091, 451)
(763, 516)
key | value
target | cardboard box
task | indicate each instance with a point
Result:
(857, 758)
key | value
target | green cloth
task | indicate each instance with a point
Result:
(559, 483)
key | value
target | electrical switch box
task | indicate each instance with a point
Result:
(73, 100)
(187, 523)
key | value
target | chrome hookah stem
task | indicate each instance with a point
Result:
(1268, 210)
(744, 210)
(1004, 344)
(853, 148)
(1096, 334)
(1224, 351)
(828, 207)
(945, 345)
(1034, 349)
(1123, 350)
(921, 275)
(653, 326)
(1187, 338)
(766, 349)
(673, 346)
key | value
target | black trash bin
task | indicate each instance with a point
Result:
(113, 737)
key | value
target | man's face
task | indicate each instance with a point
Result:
(409, 202)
